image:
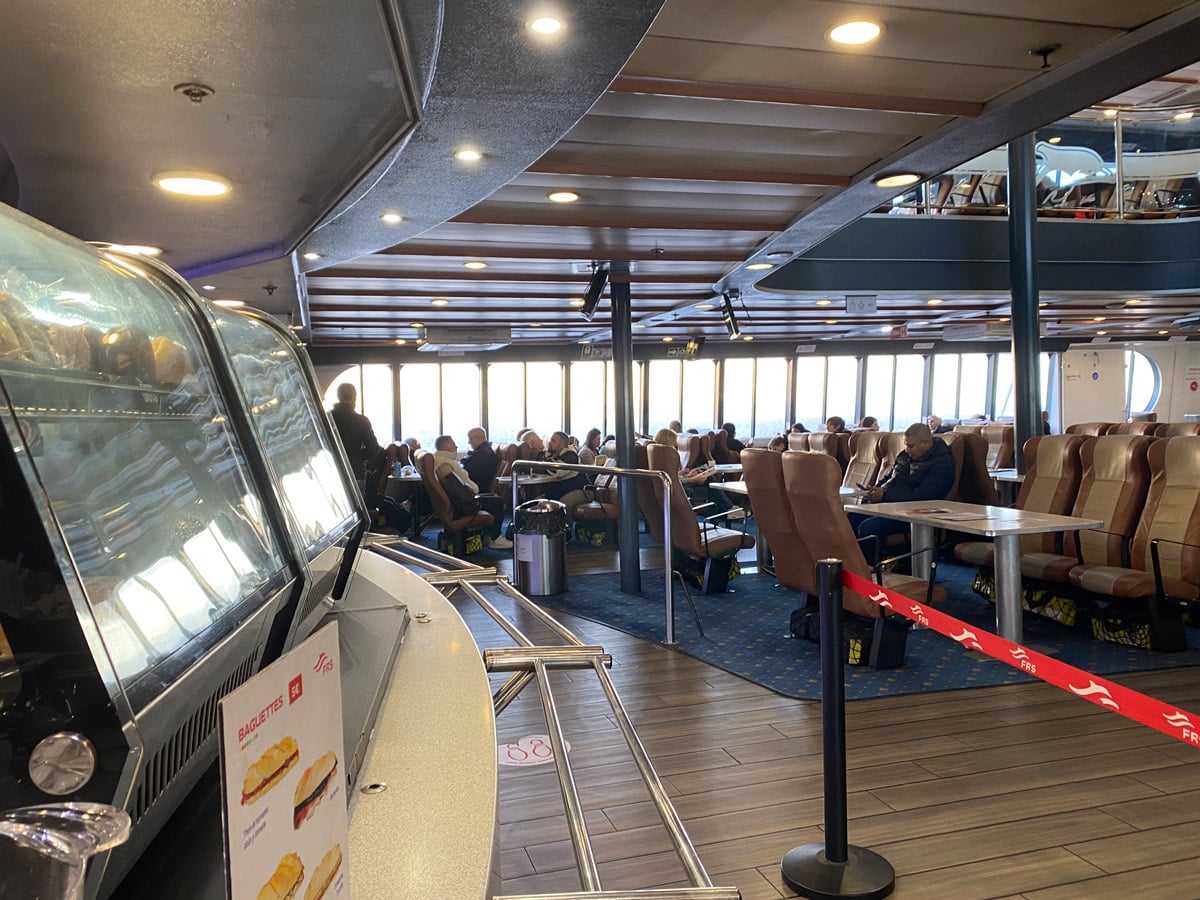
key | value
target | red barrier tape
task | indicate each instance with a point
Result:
(1179, 724)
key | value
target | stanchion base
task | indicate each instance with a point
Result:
(865, 874)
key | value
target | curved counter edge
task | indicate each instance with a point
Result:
(433, 832)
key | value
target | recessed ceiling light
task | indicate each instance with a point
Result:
(705, 306)
(1183, 116)
(535, 324)
(1057, 139)
(416, 324)
(310, 255)
(824, 302)
(1043, 305)
(577, 302)
(831, 321)
(208, 287)
(230, 303)
(1101, 332)
(1110, 114)
(1164, 331)
(638, 325)
(855, 33)
(668, 340)
(933, 301)
(754, 267)
(192, 184)
(136, 249)
(1132, 302)
(917, 324)
(401, 341)
(1004, 318)
(899, 179)
(475, 264)
(885, 329)
(747, 337)
(391, 218)
(562, 196)
(467, 154)
(546, 25)
(1098, 319)
(440, 301)
(420, 341)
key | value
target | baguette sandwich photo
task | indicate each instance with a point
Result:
(285, 883)
(268, 770)
(322, 878)
(312, 787)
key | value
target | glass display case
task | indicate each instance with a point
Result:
(173, 506)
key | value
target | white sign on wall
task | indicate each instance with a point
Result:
(283, 778)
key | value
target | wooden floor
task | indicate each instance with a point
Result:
(1002, 792)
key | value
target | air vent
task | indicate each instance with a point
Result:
(466, 340)
(172, 757)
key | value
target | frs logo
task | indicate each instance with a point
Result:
(1099, 691)
(1026, 663)
(324, 664)
(1179, 720)
(295, 689)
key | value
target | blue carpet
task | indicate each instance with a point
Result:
(747, 634)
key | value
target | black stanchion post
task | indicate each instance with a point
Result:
(835, 869)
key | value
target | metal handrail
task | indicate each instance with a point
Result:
(530, 662)
(526, 465)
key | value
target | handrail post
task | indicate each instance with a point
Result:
(668, 553)
(835, 869)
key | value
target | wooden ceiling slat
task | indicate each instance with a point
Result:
(550, 166)
(492, 214)
(484, 276)
(557, 253)
(715, 90)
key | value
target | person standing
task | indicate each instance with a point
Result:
(355, 431)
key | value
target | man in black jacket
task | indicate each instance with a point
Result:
(355, 431)
(924, 470)
(480, 463)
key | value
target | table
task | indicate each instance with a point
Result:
(728, 468)
(535, 479)
(1003, 524)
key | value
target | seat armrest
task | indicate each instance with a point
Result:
(1158, 582)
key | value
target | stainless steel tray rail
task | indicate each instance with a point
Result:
(525, 465)
(528, 662)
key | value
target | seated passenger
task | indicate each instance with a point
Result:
(924, 470)
(734, 445)
(868, 423)
(591, 448)
(696, 476)
(936, 426)
(448, 466)
(480, 463)
(836, 425)
(569, 490)
(779, 442)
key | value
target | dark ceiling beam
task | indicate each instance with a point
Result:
(757, 93)
(489, 251)
(480, 276)
(353, 299)
(548, 165)
(492, 214)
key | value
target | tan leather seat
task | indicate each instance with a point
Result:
(648, 504)
(1000, 445)
(863, 467)
(1052, 474)
(812, 481)
(1150, 428)
(458, 527)
(1116, 476)
(721, 453)
(975, 483)
(688, 445)
(763, 473)
(1170, 517)
(1090, 429)
(963, 428)
(1177, 429)
(824, 442)
(798, 441)
(892, 446)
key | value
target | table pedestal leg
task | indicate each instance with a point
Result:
(1008, 587)
(922, 539)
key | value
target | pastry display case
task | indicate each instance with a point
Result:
(174, 510)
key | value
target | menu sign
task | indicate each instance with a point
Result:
(283, 778)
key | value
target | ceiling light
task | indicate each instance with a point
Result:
(900, 179)
(310, 255)
(855, 33)
(1004, 318)
(1101, 333)
(885, 329)
(230, 303)
(416, 324)
(440, 301)
(468, 154)
(1043, 305)
(535, 324)
(668, 340)
(401, 341)
(577, 302)
(475, 264)
(755, 267)
(391, 218)
(1164, 331)
(1183, 116)
(705, 306)
(1110, 114)
(1098, 319)
(933, 301)
(562, 196)
(209, 287)
(546, 25)
(638, 325)
(1054, 140)
(136, 249)
(824, 303)
(192, 184)
(1132, 302)
(831, 321)
(747, 337)
(917, 324)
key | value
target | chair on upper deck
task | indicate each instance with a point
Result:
(812, 481)
(461, 534)
(1143, 604)
(762, 471)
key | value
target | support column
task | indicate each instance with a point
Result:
(1022, 267)
(622, 344)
